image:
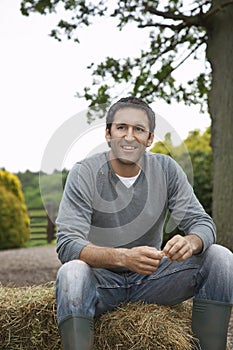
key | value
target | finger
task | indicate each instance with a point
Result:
(174, 247)
(170, 244)
(167, 248)
(148, 265)
(180, 255)
(153, 253)
(151, 262)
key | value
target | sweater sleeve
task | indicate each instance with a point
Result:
(185, 208)
(74, 216)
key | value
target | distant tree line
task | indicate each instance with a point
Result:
(33, 184)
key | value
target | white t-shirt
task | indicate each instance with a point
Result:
(128, 181)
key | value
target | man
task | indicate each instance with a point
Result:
(109, 238)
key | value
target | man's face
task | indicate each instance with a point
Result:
(129, 135)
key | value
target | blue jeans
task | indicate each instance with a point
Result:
(86, 291)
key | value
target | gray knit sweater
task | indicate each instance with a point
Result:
(97, 207)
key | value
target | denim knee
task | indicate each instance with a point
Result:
(75, 290)
(220, 258)
(217, 274)
(73, 269)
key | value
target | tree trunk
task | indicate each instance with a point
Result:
(220, 56)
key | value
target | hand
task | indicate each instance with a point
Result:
(180, 248)
(144, 260)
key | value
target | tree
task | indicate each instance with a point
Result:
(200, 152)
(30, 187)
(178, 30)
(202, 159)
(42, 189)
(164, 147)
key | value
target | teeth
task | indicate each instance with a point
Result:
(128, 147)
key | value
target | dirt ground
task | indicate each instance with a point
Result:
(38, 265)
(28, 266)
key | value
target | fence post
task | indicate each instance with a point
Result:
(50, 226)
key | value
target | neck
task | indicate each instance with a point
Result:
(123, 169)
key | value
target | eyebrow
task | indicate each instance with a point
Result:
(136, 125)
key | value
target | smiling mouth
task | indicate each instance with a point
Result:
(128, 148)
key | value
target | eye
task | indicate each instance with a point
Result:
(121, 127)
(139, 129)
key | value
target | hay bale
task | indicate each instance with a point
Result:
(28, 318)
(138, 326)
(28, 322)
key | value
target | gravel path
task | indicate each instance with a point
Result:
(38, 265)
(28, 266)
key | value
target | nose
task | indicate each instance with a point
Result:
(129, 136)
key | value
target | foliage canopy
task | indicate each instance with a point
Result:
(175, 31)
(199, 150)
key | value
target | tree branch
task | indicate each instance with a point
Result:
(175, 28)
(187, 20)
(172, 70)
(168, 48)
(190, 54)
(173, 43)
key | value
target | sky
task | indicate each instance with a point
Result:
(42, 123)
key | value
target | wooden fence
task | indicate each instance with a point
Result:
(42, 226)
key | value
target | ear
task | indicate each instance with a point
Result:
(107, 136)
(150, 140)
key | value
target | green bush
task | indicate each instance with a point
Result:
(14, 221)
(11, 183)
(200, 152)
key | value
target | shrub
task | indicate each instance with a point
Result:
(200, 152)
(12, 184)
(14, 221)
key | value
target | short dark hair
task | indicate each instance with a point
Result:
(133, 102)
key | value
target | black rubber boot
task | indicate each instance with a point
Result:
(77, 333)
(210, 321)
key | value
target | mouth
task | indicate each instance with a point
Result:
(128, 148)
